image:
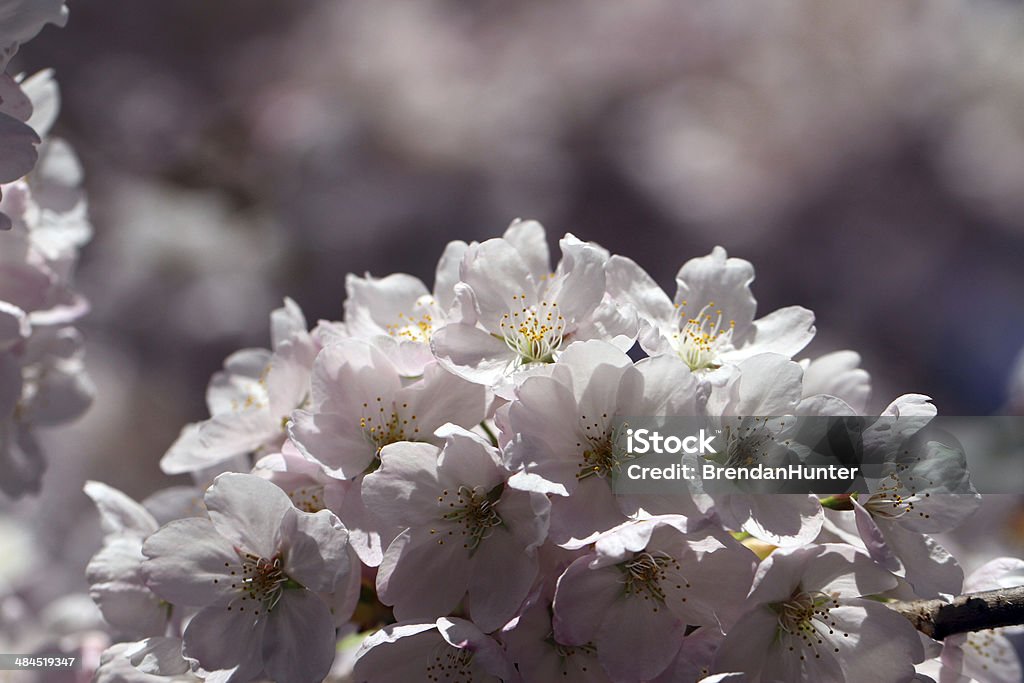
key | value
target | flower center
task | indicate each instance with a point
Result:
(603, 452)
(383, 426)
(308, 498)
(259, 580)
(472, 509)
(533, 333)
(648, 574)
(450, 664)
(420, 325)
(896, 494)
(806, 616)
(702, 339)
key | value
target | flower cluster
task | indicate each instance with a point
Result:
(43, 224)
(423, 491)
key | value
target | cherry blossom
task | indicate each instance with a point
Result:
(525, 314)
(710, 323)
(256, 568)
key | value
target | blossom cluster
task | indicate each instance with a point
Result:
(423, 491)
(43, 223)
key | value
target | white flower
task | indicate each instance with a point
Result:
(537, 654)
(837, 374)
(116, 581)
(808, 621)
(646, 581)
(399, 315)
(153, 660)
(524, 313)
(446, 650)
(916, 489)
(465, 532)
(256, 568)
(360, 403)
(251, 400)
(710, 324)
(561, 431)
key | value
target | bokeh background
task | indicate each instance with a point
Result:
(867, 157)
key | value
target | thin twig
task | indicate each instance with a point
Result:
(968, 612)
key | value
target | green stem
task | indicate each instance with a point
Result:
(490, 433)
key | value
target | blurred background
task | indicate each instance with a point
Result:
(867, 157)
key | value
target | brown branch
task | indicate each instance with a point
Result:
(968, 612)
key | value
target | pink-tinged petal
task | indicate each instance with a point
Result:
(669, 387)
(694, 660)
(539, 658)
(189, 563)
(894, 644)
(545, 421)
(315, 550)
(529, 239)
(119, 514)
(159, 655)
(488, 656)
(373, 304)
(578, 285)
(447, 273)
(583, 599)
(229, 434)
(223, 639)
(785, 520)
(410, 651)
(422, 576)
(847, 571)
(397, 653)
(1002, 572)
(368, 534)
(630, 284)
(186, 454)
(348, 374)
(467, 459)
(333, 440)
(403, 491)
(238, 381)
(496, 272)
(248, 511)
(442, 397)
(769, 384)
(501, 579)
(874, 540)
(591, 510)
(724, 281)
(288, 379)
(785, 331)
(117, 586)
(298, 640)
(287, 323)
(927, 566)
(839, 374)
(991, 657)
(345, 598)
(527, 515)
(638, 639)
(749, 643)
(472, 353)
